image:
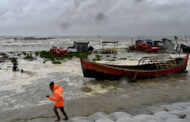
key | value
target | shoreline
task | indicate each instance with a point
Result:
(110, 102)
(35, 114)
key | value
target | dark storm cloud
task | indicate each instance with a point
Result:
(100, 16)
(138, 1)
(94, 17)
(65, 25)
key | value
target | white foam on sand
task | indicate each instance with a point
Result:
(15, 80)
(36, 73)
(72, 66)
(33, 71)
(95, 89)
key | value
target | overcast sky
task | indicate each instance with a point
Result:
(94, 17)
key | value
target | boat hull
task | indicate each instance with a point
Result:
(103, 71)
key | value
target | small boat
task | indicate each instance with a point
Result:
(58, 50)
(146, 45)
(185, 48)
(147, 67)
(152, 49)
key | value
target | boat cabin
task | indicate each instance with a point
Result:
(79, 47)
(169, 45)
(158, 44)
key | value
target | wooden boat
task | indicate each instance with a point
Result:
(148, 67)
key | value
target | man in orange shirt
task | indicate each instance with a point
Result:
(58, 99)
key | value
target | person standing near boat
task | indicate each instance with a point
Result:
(58, 99)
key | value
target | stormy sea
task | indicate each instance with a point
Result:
(23, 95)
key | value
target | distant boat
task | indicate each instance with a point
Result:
(58, 50)
(148, 67)
(146, 45)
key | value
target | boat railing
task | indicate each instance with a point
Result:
(160, 64)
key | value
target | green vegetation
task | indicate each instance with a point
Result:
(24, 53)
(111, 60)
(47, 56)
(4, 57)
(132, 59)
(123, 59)
(51, 56)
(56, 62)
(78, 55)
(94, 59)
(95, 52)
(29, 57)
(37, 53)
(97, 58)
(107, 55)
(54, 57)
(3, 54)
(14, 60)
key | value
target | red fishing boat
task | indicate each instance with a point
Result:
(147, 67)
(58, 50)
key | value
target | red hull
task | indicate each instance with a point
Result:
(59, 51)
(96, 70)
(147, 48)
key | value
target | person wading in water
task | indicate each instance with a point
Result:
(15, 68)
(58, 99)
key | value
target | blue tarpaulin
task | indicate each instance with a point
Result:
(148, 41)
(145, 41)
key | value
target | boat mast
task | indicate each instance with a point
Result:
(99, 43)
(186, 39)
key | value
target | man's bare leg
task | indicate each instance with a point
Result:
(56, 113)
(64, 113)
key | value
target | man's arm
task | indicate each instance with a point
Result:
(52, 98)
(55, 98)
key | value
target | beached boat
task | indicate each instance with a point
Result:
(147, 67)
(58, 50)
(146, 45)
